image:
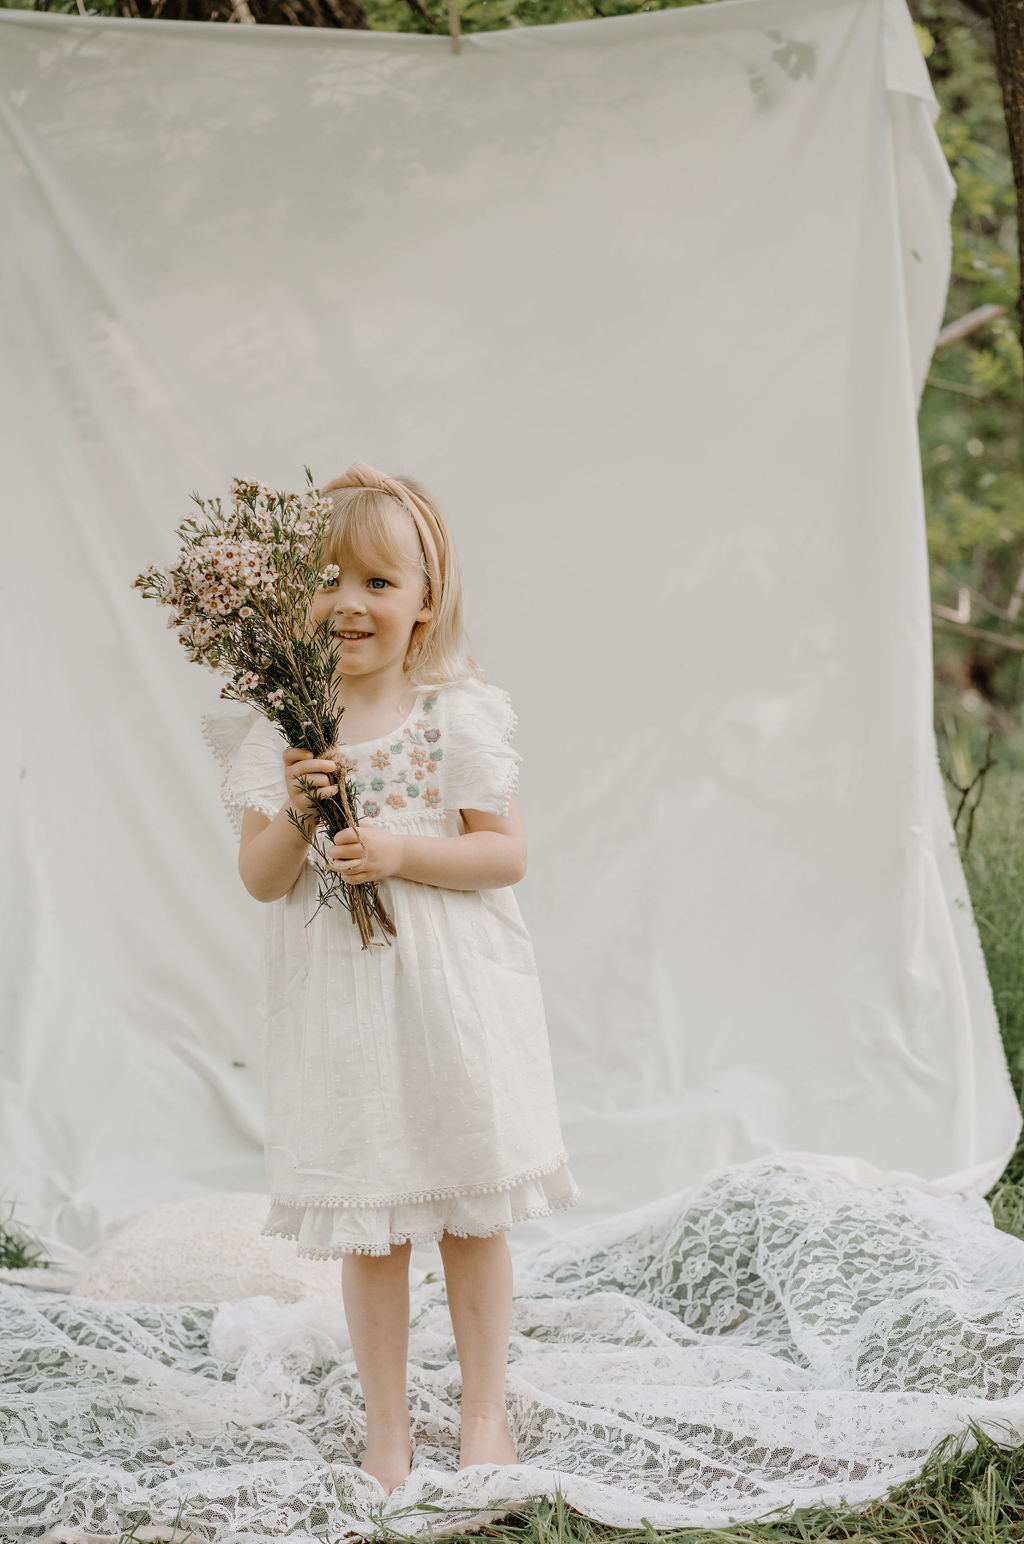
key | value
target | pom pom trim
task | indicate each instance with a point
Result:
(420, 1238)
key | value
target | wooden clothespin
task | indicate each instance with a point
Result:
(453, 25)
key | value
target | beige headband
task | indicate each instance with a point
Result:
(362, 475)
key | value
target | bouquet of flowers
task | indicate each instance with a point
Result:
(240, 595)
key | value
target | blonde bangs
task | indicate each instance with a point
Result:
(361, 531)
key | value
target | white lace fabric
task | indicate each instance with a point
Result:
(773, 1336)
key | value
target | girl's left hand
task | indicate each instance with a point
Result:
(365, 853)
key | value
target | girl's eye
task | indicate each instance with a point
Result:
(383, 581)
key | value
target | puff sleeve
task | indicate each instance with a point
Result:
(481, 766)
(249, 748)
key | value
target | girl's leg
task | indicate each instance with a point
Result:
(375, 1289)
(478, 1276)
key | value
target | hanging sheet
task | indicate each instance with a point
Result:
(648, 302)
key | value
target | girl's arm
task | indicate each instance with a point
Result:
(487, 856)
(490, 854)
(271, 853)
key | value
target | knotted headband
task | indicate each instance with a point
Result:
(362, 475)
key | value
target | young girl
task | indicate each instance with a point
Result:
(408, 1087)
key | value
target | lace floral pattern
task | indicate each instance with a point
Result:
(771, 1337)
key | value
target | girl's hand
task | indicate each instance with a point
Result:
(302, 763)
(365, 853)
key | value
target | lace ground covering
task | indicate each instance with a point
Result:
(772, 1336)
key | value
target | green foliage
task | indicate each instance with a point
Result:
(495, 15)
(993, 863)
(972, 444)
(18, 1249)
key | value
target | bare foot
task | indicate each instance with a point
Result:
(388, 1458)
(486, 1439)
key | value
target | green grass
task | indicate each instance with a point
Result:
(993, 861)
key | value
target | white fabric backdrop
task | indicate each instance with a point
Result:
(648, 302)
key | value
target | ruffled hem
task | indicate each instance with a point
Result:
(327, 1230)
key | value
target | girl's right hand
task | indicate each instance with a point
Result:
(301, 763)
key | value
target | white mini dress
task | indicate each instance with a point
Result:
(408, 1088)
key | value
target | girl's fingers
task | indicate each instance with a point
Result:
(299, 756)
(346, 855)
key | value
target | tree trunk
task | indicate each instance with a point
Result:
(1006, 18)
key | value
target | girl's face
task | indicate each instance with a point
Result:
(382, 601)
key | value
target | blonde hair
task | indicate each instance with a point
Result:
(361, 526)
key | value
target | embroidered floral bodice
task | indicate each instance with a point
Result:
(401, 770)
